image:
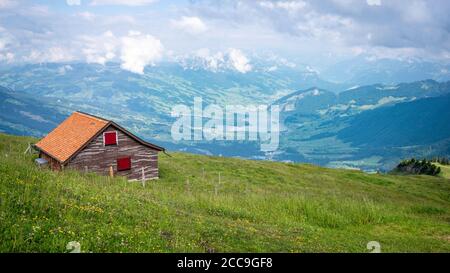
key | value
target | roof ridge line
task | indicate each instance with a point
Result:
(92, 116)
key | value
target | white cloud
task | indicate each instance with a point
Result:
(8, 57)
(417, 12)
(100, 49)
(73, 2)
(139, 50)
(212, 62)
(278, 61)
(373, 2)
(193, 25)
(57, 54)
(290, 6)
(6, 42)
(52, 55)
(134, 33)
(7, 3)
(203, 58)
(63, 69)
(134, 51)
(37, 11)
(239, 61)
(86, 15)
(122, 2)
(306, 29)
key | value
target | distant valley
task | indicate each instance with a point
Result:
(332, 124)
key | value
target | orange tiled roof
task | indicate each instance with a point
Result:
(71, 135)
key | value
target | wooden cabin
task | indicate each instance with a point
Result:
(92, 144)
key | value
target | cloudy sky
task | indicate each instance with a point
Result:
(137, 33)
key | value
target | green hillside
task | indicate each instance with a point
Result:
(257, 206)
(445, 170)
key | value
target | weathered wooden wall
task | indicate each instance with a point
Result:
(52, 163)
(98, 158)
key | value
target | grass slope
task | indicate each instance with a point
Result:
(258, 206)
(445, 170)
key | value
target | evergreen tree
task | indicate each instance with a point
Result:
(414, 166)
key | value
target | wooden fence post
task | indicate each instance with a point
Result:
(111, 172)
(28, 150)
(143, 177)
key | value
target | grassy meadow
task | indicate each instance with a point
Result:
(214, 204)
(445, 170)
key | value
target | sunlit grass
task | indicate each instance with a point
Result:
(445, 170)
(213, 204)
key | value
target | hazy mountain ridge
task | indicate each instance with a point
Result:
(314, 120)
(367, 70)
(327, 128)
(22, 114)
(420, 122)
(369, 95)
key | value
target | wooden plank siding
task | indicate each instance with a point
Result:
(52, 163)
(96, 157)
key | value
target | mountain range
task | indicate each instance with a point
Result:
(324, 122)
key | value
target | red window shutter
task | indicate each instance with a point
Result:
(110, 138)
(124, 164)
